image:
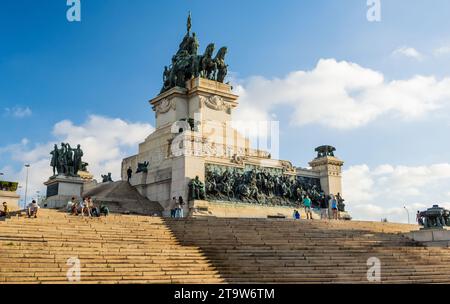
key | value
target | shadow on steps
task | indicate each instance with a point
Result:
(287, 251)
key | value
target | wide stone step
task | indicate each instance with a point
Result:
(139, 249)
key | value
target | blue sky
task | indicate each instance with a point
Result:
(110, 65)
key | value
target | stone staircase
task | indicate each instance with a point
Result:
(114, 249)
(139, 249)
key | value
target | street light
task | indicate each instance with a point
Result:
(38, 197)
(26, 184)
(20, 194)
(407, 211)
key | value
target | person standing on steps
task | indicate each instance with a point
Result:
(419, 218)
(173, 209)
(180, 207)
(334, 208)
(307, 204)
(129, 173)
(323, 208)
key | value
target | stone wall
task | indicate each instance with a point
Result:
(11, 198)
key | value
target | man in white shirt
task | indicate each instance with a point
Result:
(32, 209)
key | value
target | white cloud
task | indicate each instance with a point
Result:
(408, 52)
(443, 50)
(18, 112)
(341, 95)
(105, 142)
(383, 191)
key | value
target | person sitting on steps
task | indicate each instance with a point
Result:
(84, 207)
(104, 210)
(90, 206)
(94, 210)
(32, 209)
(5, 211)
(71, 205)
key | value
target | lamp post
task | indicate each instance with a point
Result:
(407, 211)
(26, 184)
(38, 196)
(20, 194)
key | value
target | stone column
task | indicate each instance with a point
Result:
(330, 172)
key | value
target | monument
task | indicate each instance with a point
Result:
(435, 222)
(195, 152)
(69, 175)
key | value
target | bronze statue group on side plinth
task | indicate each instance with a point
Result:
(67, 161)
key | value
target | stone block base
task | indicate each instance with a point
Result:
(58, 201)
(431, 237)
(61, 189)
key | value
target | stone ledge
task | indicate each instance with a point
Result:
(242, 210)
(431, 237)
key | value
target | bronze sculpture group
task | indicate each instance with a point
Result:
(142, 167)
(324, 151)
(107, 178)
(434, 218)
(197, 189)
(67, 161)
(257, 186)
(187, 64)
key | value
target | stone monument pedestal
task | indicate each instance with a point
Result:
(431, 237)
(329, 169)
(61, 189)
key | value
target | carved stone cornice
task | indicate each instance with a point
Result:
(328, 160)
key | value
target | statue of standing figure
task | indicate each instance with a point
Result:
(77, 159)
(54, 163)
(69, 161)
(62, 160)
